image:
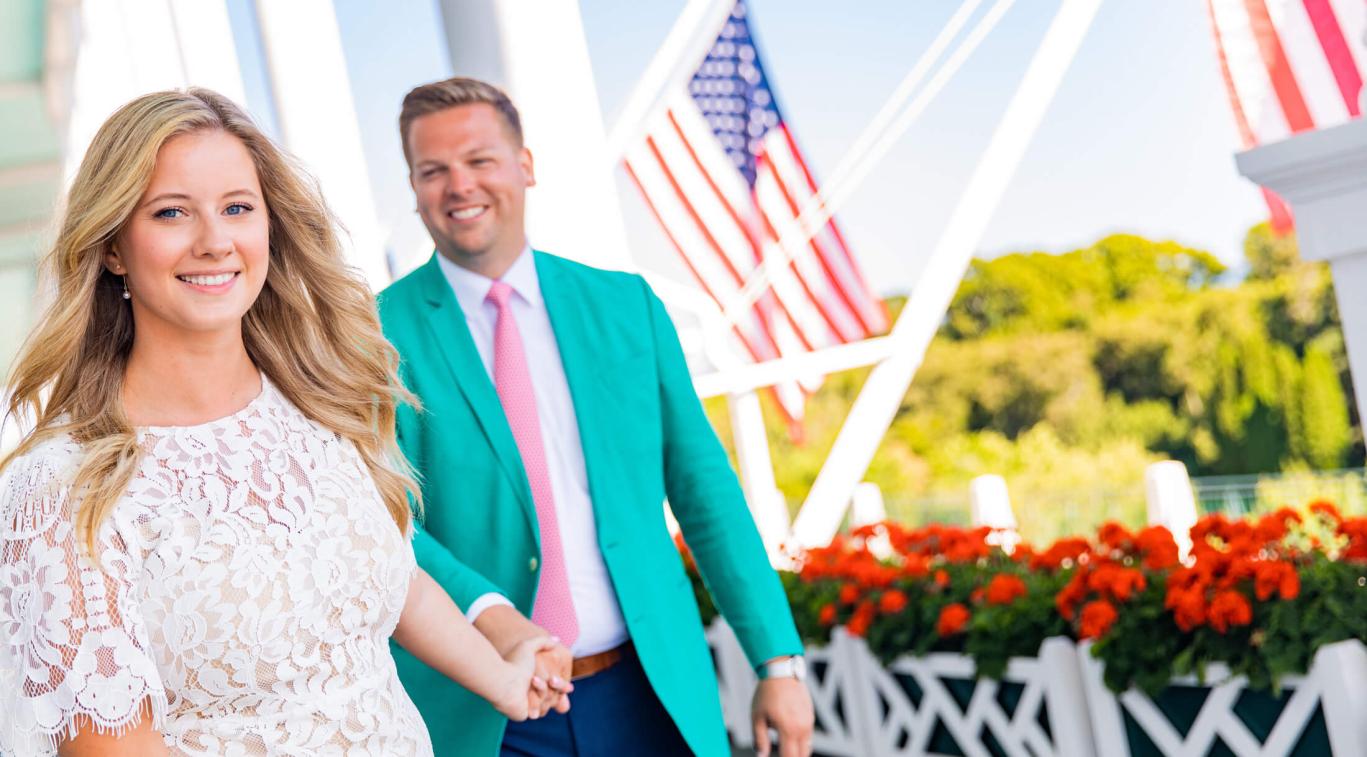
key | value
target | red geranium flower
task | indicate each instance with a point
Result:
(849, 594)
(860, 621)
(1275, 577)
(892, 602)
(1097, 618)
(1326, 509)
(827, 615)
(1228, 609)
(1005, 589)
(952, 620)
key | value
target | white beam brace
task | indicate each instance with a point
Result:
(877, 403)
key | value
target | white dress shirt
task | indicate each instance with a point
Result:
(601, 625)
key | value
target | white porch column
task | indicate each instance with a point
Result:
(767, 504)
(312, 95)
(126, 48)
(1323, 175)
(536, 51)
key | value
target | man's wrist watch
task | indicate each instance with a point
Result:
(784, 667)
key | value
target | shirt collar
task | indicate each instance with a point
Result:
(471, 288)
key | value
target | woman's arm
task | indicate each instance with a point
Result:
(435, 631)
(140, 740)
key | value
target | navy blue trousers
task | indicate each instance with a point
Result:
(612, 713)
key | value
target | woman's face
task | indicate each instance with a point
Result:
(196, 248)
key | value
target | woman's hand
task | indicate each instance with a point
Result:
(524, 691)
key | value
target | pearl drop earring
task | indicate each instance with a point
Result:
(126, 295)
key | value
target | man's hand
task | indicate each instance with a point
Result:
(785, 705)
(505, 628)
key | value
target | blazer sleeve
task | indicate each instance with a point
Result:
(461, 582)
(707, 500)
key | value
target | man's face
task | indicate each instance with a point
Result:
(470, 177)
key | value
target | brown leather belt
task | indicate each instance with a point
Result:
(583, 667)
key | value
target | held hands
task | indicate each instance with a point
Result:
(553, 665)
(506, 628)
(527, 691)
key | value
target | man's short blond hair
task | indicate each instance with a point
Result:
(451, 93)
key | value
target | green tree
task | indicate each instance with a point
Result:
(1268, 253)
(1325, 432)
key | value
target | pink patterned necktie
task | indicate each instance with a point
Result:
(554, 609)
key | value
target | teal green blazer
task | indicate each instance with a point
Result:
(645, 438)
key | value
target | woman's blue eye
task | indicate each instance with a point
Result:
(237, 209)
(167, 213)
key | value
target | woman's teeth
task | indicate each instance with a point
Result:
(208, 281)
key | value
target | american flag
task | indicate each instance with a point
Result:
(721, 170)
(1290, 66)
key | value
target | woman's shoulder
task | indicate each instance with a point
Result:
(34, 485)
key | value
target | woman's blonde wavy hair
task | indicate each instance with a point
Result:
(313, 331)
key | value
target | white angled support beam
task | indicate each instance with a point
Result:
(316, 113)
(878, 401)
(750, 376)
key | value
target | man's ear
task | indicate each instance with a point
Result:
(524, 159)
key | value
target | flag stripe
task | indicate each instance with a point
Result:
(735, 218)
(1352, 17)
(1307, 63)
(1247, 76)
(689, 243)
(875, 310)
(777, 220)
(686, 204)
(702, 280)
(1336, 52)
(844, 318)
(1278, 67)
(799, 309)
(1280, 216)
(794, 176)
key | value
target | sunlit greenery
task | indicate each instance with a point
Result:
(1068, 373)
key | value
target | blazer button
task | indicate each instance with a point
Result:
(531, 565)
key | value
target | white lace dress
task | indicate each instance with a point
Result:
(248, 586)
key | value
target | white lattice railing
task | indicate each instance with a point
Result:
(1335, 690)
(921, 705)
(1053, 705)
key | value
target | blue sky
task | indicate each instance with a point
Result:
(1139, 137)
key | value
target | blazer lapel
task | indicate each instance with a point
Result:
(571, 334)
(446, 321)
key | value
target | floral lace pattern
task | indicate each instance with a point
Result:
(247, 586)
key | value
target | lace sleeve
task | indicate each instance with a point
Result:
(72, 642)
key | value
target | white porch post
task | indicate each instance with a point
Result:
(1323, 175)
(766, 502)
(126, 48)
(312, 95)
(536, 51)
